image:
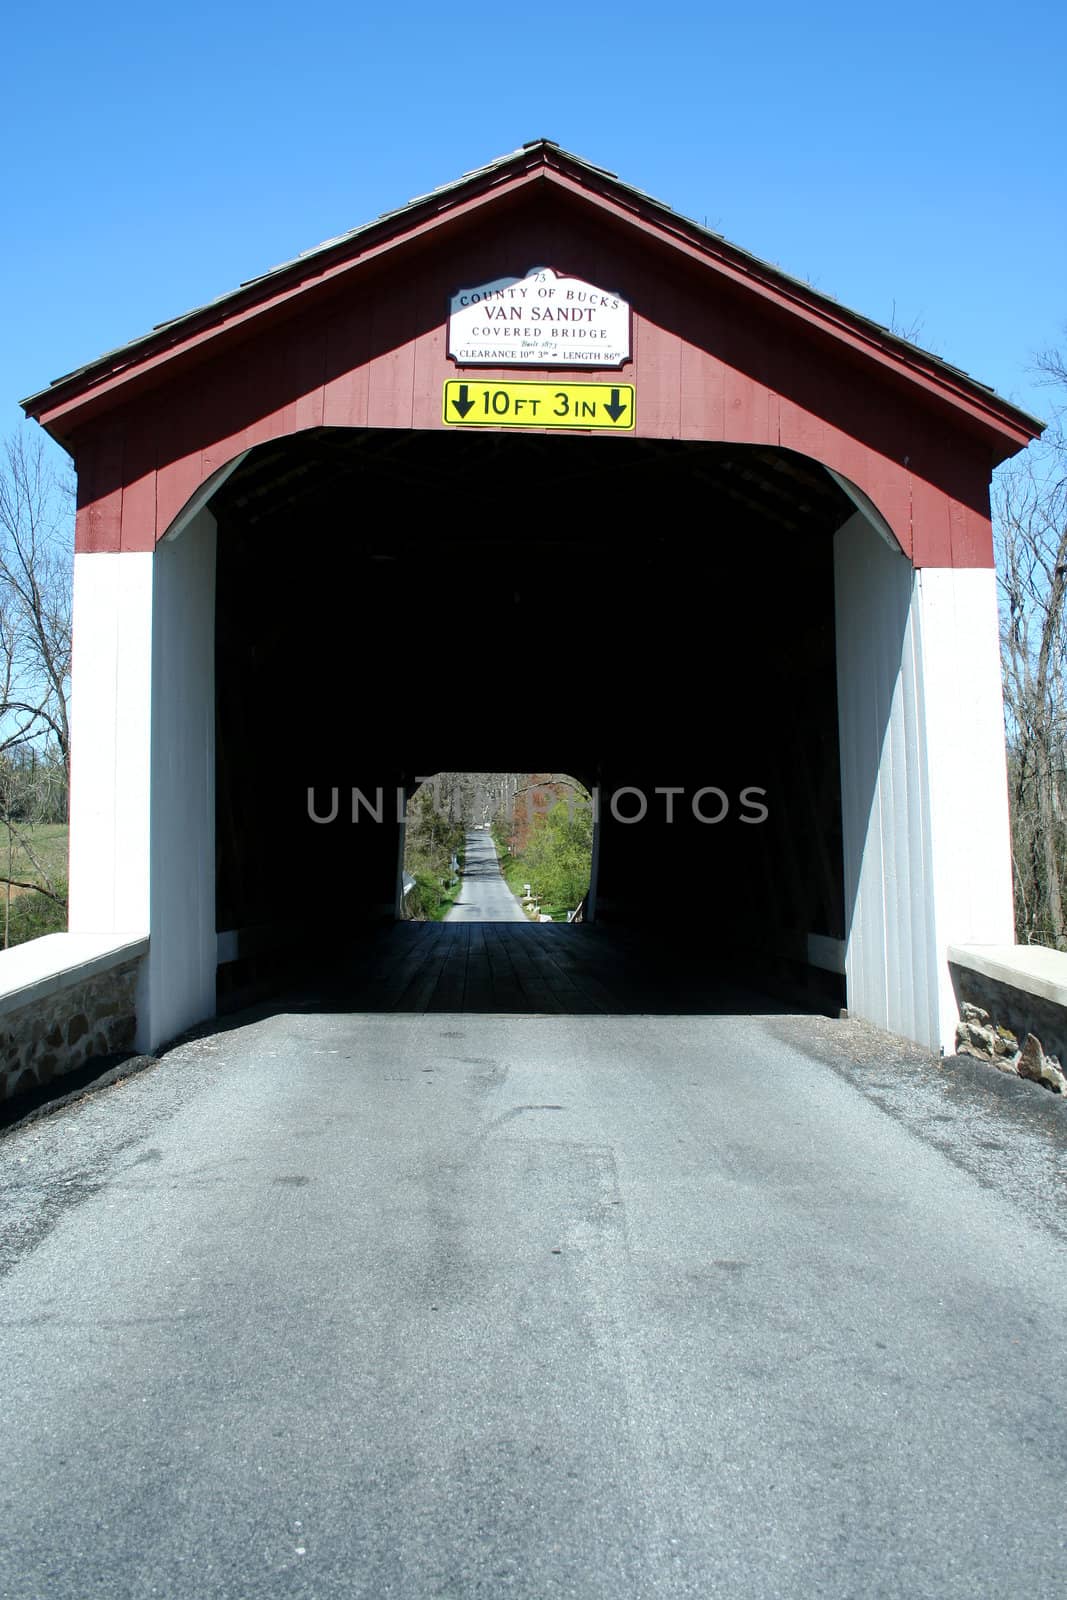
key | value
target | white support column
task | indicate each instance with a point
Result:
(927, 851)
(890, 962)
(110, 744)
(971, 887)
(142, 821)
(179, 974)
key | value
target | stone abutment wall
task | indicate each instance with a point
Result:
(54, 1033)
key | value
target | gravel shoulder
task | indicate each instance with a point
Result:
(1008, 1133)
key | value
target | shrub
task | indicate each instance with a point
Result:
(34, 914)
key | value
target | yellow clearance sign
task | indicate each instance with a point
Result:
(539, 405)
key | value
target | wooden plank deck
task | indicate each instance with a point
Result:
(536, 968)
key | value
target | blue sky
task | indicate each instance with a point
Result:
(909, 160)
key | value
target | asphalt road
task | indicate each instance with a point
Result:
(433, 1306)
(484, 896)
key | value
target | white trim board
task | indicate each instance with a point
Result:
(1033, 968)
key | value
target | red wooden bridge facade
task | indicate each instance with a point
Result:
(800, 457)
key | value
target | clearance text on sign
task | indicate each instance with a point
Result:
(539, 405)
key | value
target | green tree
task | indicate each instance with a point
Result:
(559, 851)
(431, 838)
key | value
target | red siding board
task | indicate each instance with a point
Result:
(750, 411)
(887, 486)
(799, 430)
(971, 535)
(657, 379)
(102, 522)
(429, 357)
(931, 533)
(139, 490)
(345, 397)
(701, 394)
(391, 369)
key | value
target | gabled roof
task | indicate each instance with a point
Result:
(54, 405)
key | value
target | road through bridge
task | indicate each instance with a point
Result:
(483, 895)
(505, 1259)
(351, 1305)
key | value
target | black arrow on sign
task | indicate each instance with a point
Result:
(615, 410)
(463, 405)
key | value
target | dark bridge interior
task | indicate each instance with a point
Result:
(643, 614)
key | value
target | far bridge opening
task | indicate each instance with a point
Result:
(498, 847)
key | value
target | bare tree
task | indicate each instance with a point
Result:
(1030, 517)
(35, 641)
(1053, 363)
(35, 576)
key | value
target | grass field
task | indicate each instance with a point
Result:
(43, 857)
(48, 841)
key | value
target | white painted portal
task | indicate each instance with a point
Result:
(142, 836)
(110, 748)
(970, 828)
(927, 859)
(179, 973)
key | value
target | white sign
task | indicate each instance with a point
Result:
(542, 320)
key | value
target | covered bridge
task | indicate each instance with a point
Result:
(757, 522)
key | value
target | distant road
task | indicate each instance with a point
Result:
(484, 897)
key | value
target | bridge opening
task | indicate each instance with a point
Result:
(658, 613)
(498, 847)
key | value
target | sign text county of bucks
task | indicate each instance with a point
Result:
(545, 319)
